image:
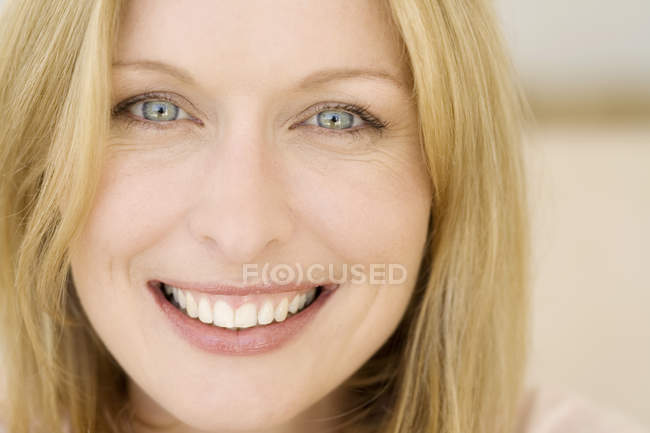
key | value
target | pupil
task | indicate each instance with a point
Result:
(157, 110)
(337, 120)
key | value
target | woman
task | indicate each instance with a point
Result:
(276, 216)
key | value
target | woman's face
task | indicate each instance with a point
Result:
(250, 149)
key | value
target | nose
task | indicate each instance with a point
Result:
(242, 208)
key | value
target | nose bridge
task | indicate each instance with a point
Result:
(241, 208)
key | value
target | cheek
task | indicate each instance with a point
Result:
(138, 201)
(366, 208)
(369, 209)
(136, 205)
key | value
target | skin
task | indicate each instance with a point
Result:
(246, 180)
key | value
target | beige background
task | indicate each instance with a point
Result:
(585, 65)
(590, 194)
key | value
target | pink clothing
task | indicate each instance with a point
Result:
(553, 410)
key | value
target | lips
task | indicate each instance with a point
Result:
(234, 320)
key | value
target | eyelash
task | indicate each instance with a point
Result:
(121, 110)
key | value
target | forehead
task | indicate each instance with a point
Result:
(249, 44)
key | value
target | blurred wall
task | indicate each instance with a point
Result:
(581, 56)
(580, 42)
(585, 65)
(590, 200)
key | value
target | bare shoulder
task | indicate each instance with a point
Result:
(546, 409)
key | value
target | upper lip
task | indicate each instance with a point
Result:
(219, 288)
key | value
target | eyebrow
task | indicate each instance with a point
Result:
(155, 66)
(313, 80)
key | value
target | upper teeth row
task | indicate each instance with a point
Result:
(247, 315)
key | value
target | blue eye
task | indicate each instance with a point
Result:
(335, 119)
(157, 111)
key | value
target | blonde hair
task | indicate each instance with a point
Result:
(456, 362)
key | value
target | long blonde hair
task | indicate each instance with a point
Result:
(456, 362)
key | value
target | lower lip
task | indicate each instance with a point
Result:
(249, 341)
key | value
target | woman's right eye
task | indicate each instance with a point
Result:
(157, 111)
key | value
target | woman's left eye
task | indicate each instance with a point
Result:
(157, 111)
(335, 119)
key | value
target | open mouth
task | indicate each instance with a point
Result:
(230, 320)
(239, 312)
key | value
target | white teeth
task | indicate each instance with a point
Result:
(223, 315)
(310, 296)
(205, 312)
(181, 298)
(281, 310)
(246, 316)
(265, 315)
(191, 307)
(295, 304)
